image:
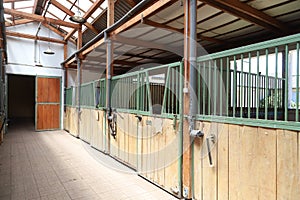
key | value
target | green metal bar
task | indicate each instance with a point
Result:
(199, 88)
(165, 92)
(257, 85)
(286, 78)
(209, 88)
(177, 88)
(241, 85)
(267, 85)
(138, 92)
(253, 47)
(297, 84)
(276, 84)
(234, 86)
(172, 90)
(227, 85)
(250, 122)
(204, 85)
(215, 87)
(221, 87)
(149, 93)
(249, 85)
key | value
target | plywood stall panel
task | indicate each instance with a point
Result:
(85, 125)
(48, 90)
(288, 165)
(74, 122)
(249, 163)
(159, 159)
(67, 118)
(98, 129)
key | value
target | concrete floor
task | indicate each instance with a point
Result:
(55, 165)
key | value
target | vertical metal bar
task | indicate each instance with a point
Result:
(276, 84)
(215, 87)
(234, 86)
(257, 85)
(286, 86)
(209, 89)
(180, 141)
(137, 93)
(166, 91)
(204, 85)
(297, 83)
(221, 87)
(172, 82)
(199, 89)
(149, 94)
(249, 86)
(241, 87)
(177, 88)
(227, 85)
(267, 84)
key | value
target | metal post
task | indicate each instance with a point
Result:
(78, 96)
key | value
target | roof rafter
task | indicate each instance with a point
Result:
(90, 11)
(248, 13)
(28, 36)
(62, 7)
(40, 18)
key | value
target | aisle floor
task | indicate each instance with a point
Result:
(55, 165)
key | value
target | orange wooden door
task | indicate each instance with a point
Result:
(48, 103)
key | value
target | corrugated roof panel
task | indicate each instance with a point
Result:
(261, 4)
(232, 26)
(169, 13)
(216, 21)
(284, 8)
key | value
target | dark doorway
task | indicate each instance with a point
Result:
(21, 99)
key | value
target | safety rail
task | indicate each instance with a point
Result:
(259, 81)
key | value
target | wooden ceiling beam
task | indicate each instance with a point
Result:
(18, 22)
(91, 27)
(90, 11)
(40, 18)
(12, 1)
(248, 13)
(154, 8)
(33, 37)
(131, 3)
(62, 7)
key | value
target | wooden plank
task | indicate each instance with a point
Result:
(198, 145)
(210, 172)
(265, 153)
(234, 156)
(62, 8)
(172, 157)
(48, 116)
(223, 161)
(287, 165)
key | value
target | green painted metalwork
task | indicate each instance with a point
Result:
(241, 86)
(297, 83)
(249, 86)
(215, 87)
(257, 84)
(286, 78)
(68, 96)
(234, 87)
(227, 86)
(221, 86)
(267, 84)
(276, 83)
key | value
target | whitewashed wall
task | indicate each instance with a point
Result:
(24, 54)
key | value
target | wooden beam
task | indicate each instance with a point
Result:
(33, 37)
(12, 1)
(248, 13)
(88, 13)
(40, 18)
(62, 8)
(79, 39)
(154, 8)
(131, 3)
(18, 22)
(91, 27)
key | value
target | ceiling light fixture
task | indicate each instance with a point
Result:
(77, 18)
(49, 50)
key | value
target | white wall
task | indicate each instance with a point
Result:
(23, 54)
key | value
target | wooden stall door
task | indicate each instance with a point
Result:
(48, 103)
